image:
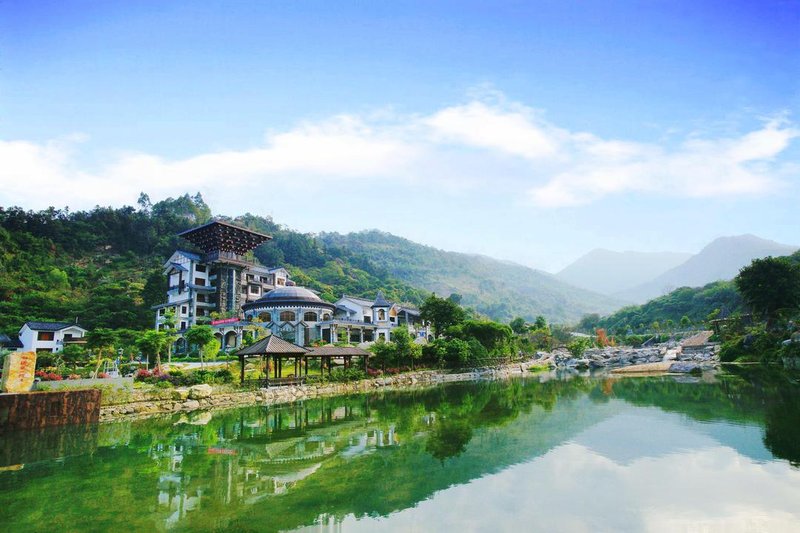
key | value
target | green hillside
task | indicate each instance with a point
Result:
(103, 266)
(498, 289)
(696, 303)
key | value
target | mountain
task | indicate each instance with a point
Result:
(610, 272)
(499, 289)
(720, 260)
(104, 266)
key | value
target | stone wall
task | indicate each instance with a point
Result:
(34, 410)
(205, 397)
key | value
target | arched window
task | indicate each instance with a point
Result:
(381, 314)
(310, 316)
(287, 316)
(265, 317)
(326, 316)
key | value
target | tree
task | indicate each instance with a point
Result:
(151, 343)
(404, 347)
(101, 341)
(540, 323)
(686, 322)
(441, 313)
(73, 354)
(518, 325)
(769, 285)
(199, 336)
(170, 330)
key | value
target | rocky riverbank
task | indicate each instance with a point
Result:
(611, 357)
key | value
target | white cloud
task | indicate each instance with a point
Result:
(497, 147)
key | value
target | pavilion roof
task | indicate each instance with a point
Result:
(224, 236)
(272, 345)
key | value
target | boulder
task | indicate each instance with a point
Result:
(190, 405)
(180, 394)
(198, 392)
(685, 367)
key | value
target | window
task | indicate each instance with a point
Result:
(183, 325)
(310, 316)
(199, 281)
(392, 319)
(184, 309)
(326, 316)
(367, 318)
(281, 281)
(45, 336)
(255, 289)
(287, 316)
(67, 336)
(201, 297)
(265, 317)
(381, 314)
(200, 268)
(161, 311)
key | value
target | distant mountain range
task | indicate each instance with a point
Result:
(610, 272)
(638, 277)
(499, 289)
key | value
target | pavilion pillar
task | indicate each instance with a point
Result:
(241, 371)
(361, 335)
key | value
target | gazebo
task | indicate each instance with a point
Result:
(277, 348)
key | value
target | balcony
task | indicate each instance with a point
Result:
(222, 256)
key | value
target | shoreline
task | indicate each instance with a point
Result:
(147, 408)
(202, 397)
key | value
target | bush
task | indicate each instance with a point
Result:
(578, 346)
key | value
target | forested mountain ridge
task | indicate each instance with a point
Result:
(104, 266)
(499, 289)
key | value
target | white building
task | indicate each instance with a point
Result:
(300, 316)
(50, 336)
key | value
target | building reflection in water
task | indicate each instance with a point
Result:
(263, 453)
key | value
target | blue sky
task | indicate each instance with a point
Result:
(529, 131)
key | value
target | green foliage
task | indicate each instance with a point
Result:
(579, 345)
(770, 285)
(497, 289)
(442, 313)
(694, 304)
(339, 375)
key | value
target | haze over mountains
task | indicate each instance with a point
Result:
(622, 274)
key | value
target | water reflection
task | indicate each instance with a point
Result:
(465, 452)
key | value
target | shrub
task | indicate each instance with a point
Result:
(578, 346)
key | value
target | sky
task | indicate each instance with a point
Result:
(528, 131)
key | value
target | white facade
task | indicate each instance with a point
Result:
(48, 336)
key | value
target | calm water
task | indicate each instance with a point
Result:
(546, 454)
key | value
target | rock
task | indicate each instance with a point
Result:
(180, 394)
(198, 392)
(191, 405)
(685, 367)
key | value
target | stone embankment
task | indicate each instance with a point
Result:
(669, 357)
(147, 404)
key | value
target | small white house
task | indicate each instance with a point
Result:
(49, 336)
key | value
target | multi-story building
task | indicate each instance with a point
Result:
(220, 279)
(223, 280)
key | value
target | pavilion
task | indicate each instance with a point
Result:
(278, 349)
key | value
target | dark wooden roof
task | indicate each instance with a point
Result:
(272, 345)
(223, 236)
(50, 326)
(337, 351)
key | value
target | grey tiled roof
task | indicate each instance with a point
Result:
(50, 326)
